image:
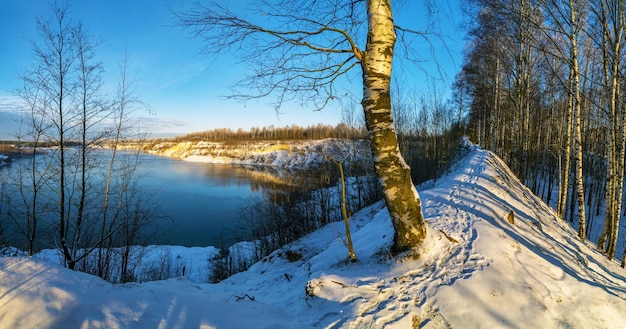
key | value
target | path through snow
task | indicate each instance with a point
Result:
(481, 272)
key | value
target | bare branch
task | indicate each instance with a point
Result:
(300, 60)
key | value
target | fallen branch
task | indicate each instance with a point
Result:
(451, 239)
(251, 298)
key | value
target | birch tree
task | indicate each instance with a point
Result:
(610, 15)
(575, 26)
(88, 111)
(62, 89)
(566, 20)
(580, 86)
(298, 50)
(55, 59)
(33, 171)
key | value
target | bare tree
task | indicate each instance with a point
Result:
(33, 172)
(577, 122)
(568, 19)
(610, 15)
(90, 112)
(95, 206)
(119, 175)
(55, 59)
(575, 13)
(297, 50)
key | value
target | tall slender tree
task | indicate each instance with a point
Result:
(610, 15)
(299, 49)
(63, 92)
(577, 103)
(55, 58)
(573, 35)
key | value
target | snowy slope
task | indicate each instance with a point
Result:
(481, 272)
(292, 154)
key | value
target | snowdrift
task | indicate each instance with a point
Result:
(480, 267)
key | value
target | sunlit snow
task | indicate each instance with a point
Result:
(475, 270)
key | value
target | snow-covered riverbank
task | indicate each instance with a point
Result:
(295, 154)
(477, 269)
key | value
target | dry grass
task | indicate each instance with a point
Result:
(277, 147)
(7, 148)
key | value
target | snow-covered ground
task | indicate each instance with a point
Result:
(475, 270)
(3, 160)
(293, 154)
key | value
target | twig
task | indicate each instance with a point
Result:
(451, 239)
(251, 298)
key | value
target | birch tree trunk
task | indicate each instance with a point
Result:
(304, 61)
(578, 143)
(494, 112)
(564, 189)
(402, 199)
(612, 12)
(610, 158)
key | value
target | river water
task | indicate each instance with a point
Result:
(204, 201)
(201, 202)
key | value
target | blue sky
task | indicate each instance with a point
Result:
(184, 89)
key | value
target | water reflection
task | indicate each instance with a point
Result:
(204, 201)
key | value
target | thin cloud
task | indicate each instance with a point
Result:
(158, 127)
(184, 75)
(10, 103)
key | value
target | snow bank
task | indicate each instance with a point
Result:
(476, 269)
(284, 154)
(149, 263)
(540, 274)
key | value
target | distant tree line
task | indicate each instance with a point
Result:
(428, 127)
(292, 132)
(429, 130)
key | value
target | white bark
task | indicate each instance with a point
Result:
(402, 199)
